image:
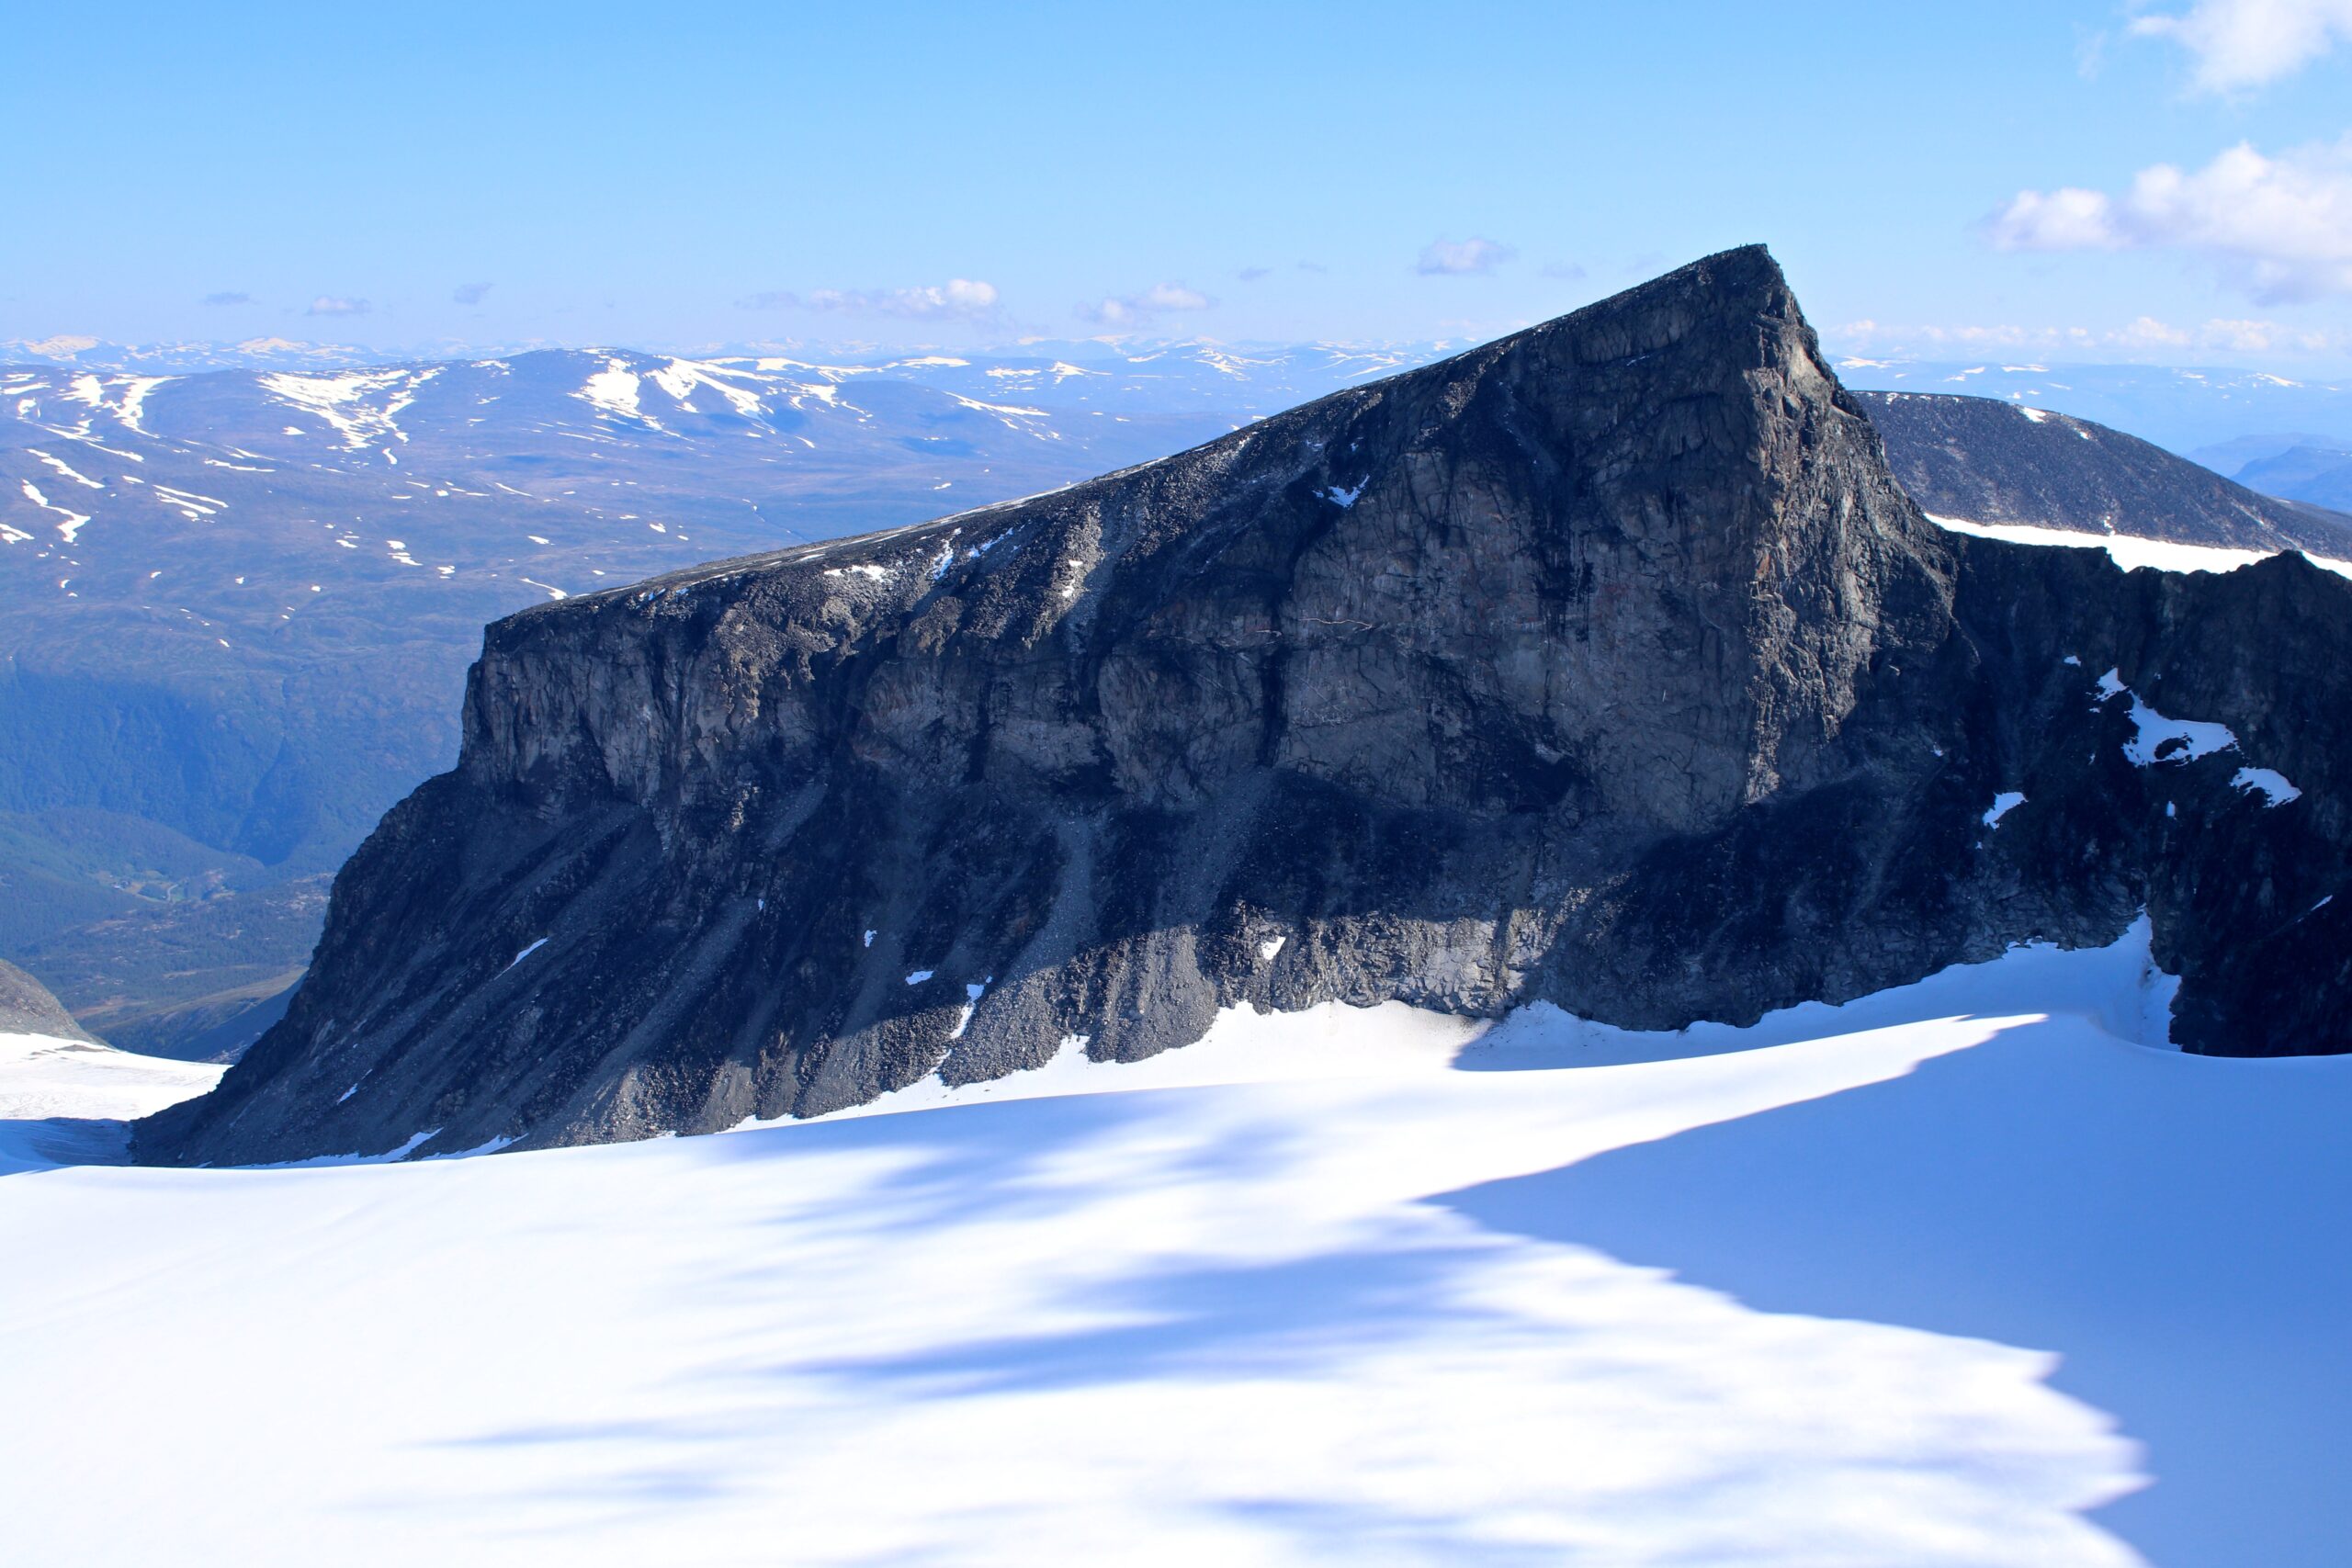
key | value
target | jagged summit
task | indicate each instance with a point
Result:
(1689, 424)
(1606, 664)
(1614, 333)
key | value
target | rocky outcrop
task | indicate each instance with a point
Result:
(27, 1008)
(1607, 664)
(1985, 461)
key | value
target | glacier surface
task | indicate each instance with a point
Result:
(1974, 1271)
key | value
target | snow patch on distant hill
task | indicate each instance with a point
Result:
(362, 406)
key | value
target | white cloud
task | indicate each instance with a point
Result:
(2280, 227)
(2143, 335)
(2147, 332)
(2090, 52)
(2004, 335)
(1111, 313)
(1444, 258)
(2070, 218)
(336, 305)
(1135, 310)
(958, 299)
(1175, 297)
(2249, 44)
(1870, 334)
(958, 296)
(2259, 337)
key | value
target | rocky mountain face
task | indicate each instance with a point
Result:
(1985, 461)
(205, 554)
(1606, 665)
(237, 606)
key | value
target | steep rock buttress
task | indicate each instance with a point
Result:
(1606, 664)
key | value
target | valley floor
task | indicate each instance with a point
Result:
(1959, 1274)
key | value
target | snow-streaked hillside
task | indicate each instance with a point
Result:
(1927, 1279)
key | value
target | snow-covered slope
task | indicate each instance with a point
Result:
(2130, 551)
(1944, 1276)
(66, 1100)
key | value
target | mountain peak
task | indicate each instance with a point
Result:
(1743, 283)
(1604, 665)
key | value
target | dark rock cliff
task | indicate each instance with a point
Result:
(1606, 664)
(1983, 460)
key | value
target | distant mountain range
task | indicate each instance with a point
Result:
(2223, 416)
(77, 351)
(2314, 468)
(1156, 369)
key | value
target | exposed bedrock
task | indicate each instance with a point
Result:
(1606, 664)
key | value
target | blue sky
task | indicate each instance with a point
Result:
(500, 175)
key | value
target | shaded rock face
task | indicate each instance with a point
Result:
(1983, 460)
(1607, 664)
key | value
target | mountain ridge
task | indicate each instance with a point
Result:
(245, 601)
(2319, 474)
(1987, 461)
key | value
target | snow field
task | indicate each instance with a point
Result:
(2127, 551)
(1396, 1290)
(52, 1092)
